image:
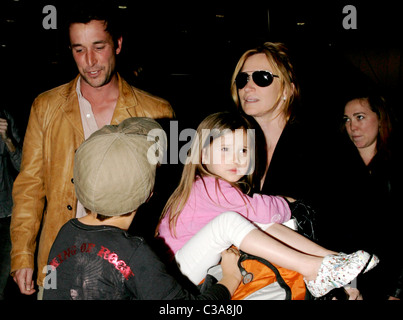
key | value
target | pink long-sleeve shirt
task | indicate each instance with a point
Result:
(207, 202)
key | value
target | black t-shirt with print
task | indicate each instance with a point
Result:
(106, 263)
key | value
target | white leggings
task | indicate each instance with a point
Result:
(204, 249)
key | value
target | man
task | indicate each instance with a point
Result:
(60, 120)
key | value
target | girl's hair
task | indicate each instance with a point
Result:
(377, 104)
(216, 125)
(277, 55)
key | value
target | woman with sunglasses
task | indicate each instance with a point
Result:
(264, 86)
(301, 161)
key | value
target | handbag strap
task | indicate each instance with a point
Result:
(248, 277)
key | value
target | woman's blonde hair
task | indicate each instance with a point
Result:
(215, 125)
(277, 55)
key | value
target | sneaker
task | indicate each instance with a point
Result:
(338, 270)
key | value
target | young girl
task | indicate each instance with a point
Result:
(211, 210)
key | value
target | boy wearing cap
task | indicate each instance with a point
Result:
(93, 256)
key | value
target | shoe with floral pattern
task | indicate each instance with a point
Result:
(338, 270)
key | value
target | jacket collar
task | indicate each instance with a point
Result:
(71, 107)
(125, 106)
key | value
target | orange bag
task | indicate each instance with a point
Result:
(262, 281)
(258, 274)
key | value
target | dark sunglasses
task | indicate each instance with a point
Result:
(260, 78)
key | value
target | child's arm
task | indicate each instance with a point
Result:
(260, 208)
(257, 208)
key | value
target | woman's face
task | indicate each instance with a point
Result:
(362, 124)
(259, 101)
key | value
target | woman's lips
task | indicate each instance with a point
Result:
(251, 99)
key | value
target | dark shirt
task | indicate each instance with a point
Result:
(9, 165)
(379, 222)
(106, 263)
(303, 168)
(295, 165)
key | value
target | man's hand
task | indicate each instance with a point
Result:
(23, 278)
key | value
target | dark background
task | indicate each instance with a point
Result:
(185, 52)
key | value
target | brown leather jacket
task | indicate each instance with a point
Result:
(44, 189)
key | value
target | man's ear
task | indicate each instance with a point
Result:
(119, 47)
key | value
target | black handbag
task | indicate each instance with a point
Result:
(305, 217)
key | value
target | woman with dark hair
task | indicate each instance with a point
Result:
(368, 124)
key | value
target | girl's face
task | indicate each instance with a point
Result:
(228, 156)
(362, 124)
(259, 101)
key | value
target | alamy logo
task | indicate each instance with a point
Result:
(350, 20)
(190, 150)
(50, 281)
(50, 20)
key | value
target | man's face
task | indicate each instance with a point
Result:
(94, 52)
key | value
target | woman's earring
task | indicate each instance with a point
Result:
(284, 98)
